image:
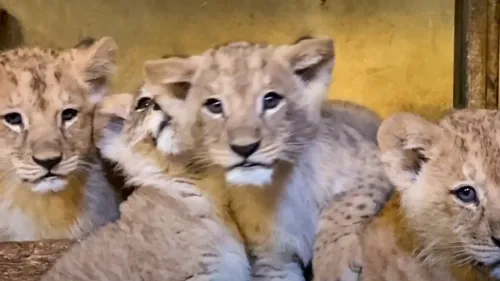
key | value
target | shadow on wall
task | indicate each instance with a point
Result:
(11, 34)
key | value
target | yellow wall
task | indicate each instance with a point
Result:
(391, 54)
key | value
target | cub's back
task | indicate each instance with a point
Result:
(353, 184)
(364, 120)
(345, 153)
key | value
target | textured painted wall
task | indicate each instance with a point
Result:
(391, 54)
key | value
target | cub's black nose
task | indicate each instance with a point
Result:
(48, 163)
(245, 150)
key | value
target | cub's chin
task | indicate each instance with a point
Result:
(50, 184)
(254, 175)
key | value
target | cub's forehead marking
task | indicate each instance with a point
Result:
(35, 81)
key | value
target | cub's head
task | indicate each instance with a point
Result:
(46, 108)
(448, 175)
(143, 133)
(257, 105)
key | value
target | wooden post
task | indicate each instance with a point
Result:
(476, 53)
(11, 34)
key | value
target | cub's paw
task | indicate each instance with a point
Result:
(338, 258)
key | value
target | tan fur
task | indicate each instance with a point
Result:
(307, 149)
(142, 245)
(428, 232)
(137, 133)
(38, 85)
(390, 248)
(360, 117)
(337, 248)
(337, 251)
(202, 244)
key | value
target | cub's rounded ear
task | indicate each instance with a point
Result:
(175, 72)
(96, 61)
(310, 58)
(116, 105)
(85, 42)
(407, 141)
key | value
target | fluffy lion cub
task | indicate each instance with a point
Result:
(170, 229)
(51, 181)
(261, 117)
(444, 221)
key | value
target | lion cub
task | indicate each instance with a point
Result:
(261, 117)
(444, 221)
(169, 223)
(51, 182)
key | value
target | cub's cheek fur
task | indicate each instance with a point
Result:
(168, 143)
(110, 118)
(111, 144)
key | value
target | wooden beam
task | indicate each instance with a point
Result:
(27, 261)
(476, 53)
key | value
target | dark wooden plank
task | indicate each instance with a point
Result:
(492, 55)
(476, 40)
(476, 54)
(459, 59)
(11, 35)
(27, 261)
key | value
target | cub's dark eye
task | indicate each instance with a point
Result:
(213, 105)
(68, 114)
(271, 100)
(13, 118)
(156, 106)
(143, 103)
(466, 194)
